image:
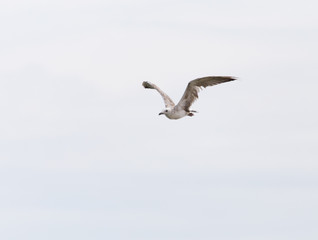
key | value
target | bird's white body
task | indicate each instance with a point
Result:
(182, 109)
(175, 114)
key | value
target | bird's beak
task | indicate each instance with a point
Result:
(160, 113)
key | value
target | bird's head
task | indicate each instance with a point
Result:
(165, 111)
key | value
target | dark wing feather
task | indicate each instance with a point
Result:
(168, 102)
(193, 88)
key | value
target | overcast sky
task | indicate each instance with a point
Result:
(84, 154)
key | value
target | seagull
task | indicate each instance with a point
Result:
(182, 109)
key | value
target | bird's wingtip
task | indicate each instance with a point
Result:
(232, 78)
(146, 84)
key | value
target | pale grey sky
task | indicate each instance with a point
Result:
(84, 154)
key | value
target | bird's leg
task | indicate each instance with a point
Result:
(190, 113)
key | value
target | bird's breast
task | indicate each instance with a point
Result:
(176, 114)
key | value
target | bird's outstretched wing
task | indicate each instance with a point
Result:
(168, 102)
(193, 88)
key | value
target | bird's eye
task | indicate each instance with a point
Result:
(166, 111)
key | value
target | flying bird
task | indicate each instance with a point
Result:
(182, 109)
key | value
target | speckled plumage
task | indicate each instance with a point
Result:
(182, 109)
